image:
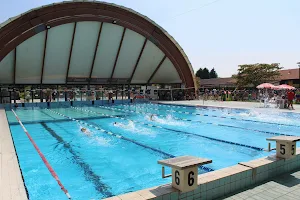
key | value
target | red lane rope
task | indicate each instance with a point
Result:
(43, 157)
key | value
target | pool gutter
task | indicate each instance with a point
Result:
(12, 185)
(220, 183)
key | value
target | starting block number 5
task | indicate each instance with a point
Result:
(283, 147)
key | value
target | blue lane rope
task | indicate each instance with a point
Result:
(216, 124)
(97, 127)
(178, 131)
(224, 117)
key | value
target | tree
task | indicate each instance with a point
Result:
(205, 74)
(199, 73)
(213, 73)
(255, 74)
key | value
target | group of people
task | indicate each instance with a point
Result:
(229, 95)
(250, 95)
(286, 97)
(176, 95)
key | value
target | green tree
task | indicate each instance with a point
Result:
(205, 74)
(199, 73)
(255, 74)
(213, 73)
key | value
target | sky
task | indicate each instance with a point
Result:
(220, 34)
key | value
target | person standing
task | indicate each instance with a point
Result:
(54, 94)
(290, 97)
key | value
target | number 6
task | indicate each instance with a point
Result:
(191, 179)
(177, 180)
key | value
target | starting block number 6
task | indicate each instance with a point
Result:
(184, 171)
(191, 179)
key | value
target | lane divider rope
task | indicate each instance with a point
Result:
(224, 117)
(51, 170)
(97, 127)
(216, 124)
(186, 133)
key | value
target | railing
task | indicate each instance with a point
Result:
(53, 95)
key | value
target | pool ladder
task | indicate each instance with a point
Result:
(269, 148)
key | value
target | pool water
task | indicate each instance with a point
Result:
(118, 158)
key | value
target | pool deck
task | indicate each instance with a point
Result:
(284, 187)
(11, 182)
(231, 104)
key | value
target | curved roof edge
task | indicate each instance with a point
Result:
(12, 19)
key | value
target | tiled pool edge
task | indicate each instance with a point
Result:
(221, 182)
(9, 106)
(228, 105)
(11, 181)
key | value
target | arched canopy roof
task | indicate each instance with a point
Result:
(89, 42)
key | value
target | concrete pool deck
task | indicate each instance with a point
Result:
(11, 182)
(231, 104)
(284, 187)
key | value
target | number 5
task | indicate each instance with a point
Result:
(282, 149)
(293, 149)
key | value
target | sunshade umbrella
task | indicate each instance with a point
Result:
(265, 86)
(285, 87)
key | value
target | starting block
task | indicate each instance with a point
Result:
(285, 146)
(184, 171)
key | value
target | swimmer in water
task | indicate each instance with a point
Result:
(152, 117)
(85, 131)
(119, 124)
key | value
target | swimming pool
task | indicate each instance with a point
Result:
(116, 159)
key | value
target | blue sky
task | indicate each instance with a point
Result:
(222, 35)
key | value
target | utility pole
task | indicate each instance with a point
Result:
(298, 63)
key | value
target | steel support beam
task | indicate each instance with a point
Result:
(138, 60)
(157, 68)
(116, 60)
(15, 65)
(71, 49)
(44, 55)
(95, 52)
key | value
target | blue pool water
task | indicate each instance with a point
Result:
(115, 159)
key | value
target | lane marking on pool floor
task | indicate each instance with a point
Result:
(211, 123)
(97, 127)
(89, 174)
(51, 170)
(215, 116)
(178, 131)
